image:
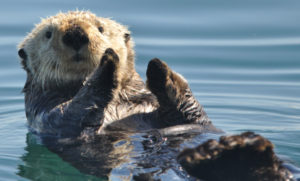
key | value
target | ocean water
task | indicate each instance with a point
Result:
(241, 58)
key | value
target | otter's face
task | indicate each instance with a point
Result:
(69, 46)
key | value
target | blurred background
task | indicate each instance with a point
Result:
(241, 58)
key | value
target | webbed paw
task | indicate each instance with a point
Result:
(109, 56)
(106, 76)
(162, 81)
(247, 156)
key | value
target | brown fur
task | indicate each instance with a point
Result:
(81, 96)
(248, 157)
(101, 87)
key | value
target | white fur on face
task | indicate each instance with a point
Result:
(50, 60)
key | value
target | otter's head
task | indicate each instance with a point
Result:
(68, 47)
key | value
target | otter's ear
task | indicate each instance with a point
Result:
(23, 56)
(127, 37)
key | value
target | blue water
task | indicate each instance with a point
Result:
(241, 58)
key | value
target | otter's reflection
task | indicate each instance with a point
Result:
(115, 156)
(94, 157)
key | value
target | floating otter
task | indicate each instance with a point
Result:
(82, 92)
(76, 80)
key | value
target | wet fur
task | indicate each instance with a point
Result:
(105, 93)
(80, 108)
(247, 156)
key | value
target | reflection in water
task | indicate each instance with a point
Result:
(42, 164)
(117, 155)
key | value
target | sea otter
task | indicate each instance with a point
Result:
(80, 73)
(82, 93)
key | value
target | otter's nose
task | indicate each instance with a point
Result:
(75, 37)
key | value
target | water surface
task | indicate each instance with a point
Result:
(241, 58)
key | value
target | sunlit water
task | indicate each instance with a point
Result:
(242, 60)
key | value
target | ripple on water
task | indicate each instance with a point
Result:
(218, 42)
(244, 70)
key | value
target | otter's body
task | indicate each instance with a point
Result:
(83, 95)
(132, 104)
(80, 74)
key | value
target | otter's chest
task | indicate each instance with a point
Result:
(126, 114)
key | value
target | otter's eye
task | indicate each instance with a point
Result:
(101, 29)
(48, 34)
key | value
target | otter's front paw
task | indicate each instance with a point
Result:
(177, 103)
(165, 83)
(109, 56)
(106, 76)
(157, 75)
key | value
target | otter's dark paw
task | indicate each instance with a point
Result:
(106, 76)
(109, 55)
(164, 83)
(246, 157)
(157, 73)
(177, 103)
